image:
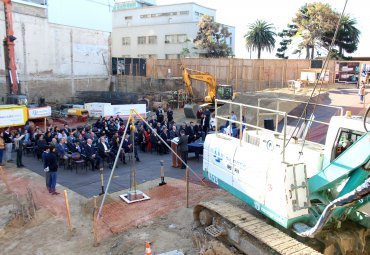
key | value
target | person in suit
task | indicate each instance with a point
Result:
(128, 147)
(182, 148)
(190, 132)
(90, 155)
(165, 137)
(52, 164)
(104, 152)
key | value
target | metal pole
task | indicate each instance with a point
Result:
(162, 174)
(241, 124)
(187, 186)
(114, 165)
(102, 182)
(277, 115)
(285, 124)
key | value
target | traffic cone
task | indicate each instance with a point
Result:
(148, 251)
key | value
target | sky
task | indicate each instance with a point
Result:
(240, 13)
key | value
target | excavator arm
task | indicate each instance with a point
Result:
(189, 74)
(12, 78)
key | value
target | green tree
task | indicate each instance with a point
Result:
(286, 39)
(347, 39)
(313, 20)
(260, 36)
(213, 37)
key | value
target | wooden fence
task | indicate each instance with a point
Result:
(244, 74)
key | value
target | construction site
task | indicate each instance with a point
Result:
(210, 156)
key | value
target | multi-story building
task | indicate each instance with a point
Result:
(145, 30)
(61, 47)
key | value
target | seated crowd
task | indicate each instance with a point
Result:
(99, 142)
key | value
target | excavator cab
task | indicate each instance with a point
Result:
(17, 99)
(224, 92)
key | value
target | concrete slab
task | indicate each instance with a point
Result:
(176, 252)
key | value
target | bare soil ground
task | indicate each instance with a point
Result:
(167, 226)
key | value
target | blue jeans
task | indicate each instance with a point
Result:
(52, 180)
(1, 155)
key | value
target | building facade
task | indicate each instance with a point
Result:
(61, 47)
(163, 32)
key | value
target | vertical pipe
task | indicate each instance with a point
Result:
(277, 115)
(284, 140)
(68, 211)
(258, 113)
(241, 123)
(216, 121)
(187, 186)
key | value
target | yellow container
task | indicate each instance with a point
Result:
(12, 115)
(80, 112)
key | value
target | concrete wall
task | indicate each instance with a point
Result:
(53, 60)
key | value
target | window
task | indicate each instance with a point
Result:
(147, 56)
(163, 14)
(345, 138)
(180, 38)
(126, 40)
(172, 56)
(128, 17)
(152, 39)
(141, 40)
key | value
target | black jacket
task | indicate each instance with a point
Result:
(182, 145)
(51, 162)
(8, 138)
(89, 151)
(101, 150)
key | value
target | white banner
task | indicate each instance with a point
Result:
(124, 110)
(41, 112)
(12, 117)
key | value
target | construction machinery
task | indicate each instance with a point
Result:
(223, 92)
(14, 98)
(315, 197)
(8, 42)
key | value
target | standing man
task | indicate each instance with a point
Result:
(207, 118)
(182, 147)
(160, 114)
(46, 170)
(362, 92)
(8, 145)
(169, 115)
(18, 148)
(51, 162)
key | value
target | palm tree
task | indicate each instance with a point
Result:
(260, 37)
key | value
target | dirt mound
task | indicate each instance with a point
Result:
(88, 206)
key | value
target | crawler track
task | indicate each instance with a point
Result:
(248, 233)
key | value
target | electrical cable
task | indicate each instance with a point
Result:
(325, 66)
(365, 117)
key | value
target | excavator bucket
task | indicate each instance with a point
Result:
(190, 110)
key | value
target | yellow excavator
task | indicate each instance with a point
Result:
(221, 91)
